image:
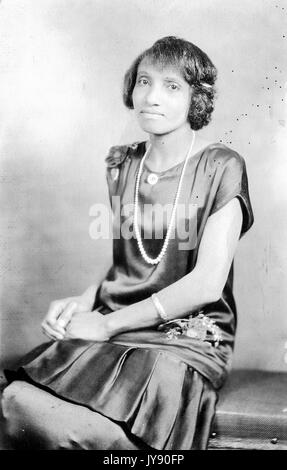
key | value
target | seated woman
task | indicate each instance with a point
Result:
(137, 361)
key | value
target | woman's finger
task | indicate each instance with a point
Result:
(66, 315)
(54, 327)
(55, 309)
(51, 333)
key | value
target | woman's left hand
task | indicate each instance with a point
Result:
(90, 326)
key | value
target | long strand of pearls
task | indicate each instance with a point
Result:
(145, 256)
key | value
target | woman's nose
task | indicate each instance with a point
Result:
(152, 96)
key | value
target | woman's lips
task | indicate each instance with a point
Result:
(151, 114)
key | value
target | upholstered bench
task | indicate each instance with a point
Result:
(251, 412)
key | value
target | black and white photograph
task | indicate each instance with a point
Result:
(143, 227)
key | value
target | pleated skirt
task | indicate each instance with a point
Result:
(154, 396)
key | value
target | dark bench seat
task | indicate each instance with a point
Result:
(251, 412)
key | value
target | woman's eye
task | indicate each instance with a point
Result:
(173, 86)
(142, 81)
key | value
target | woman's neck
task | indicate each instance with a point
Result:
(169, 149)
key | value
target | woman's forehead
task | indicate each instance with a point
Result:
(150, 65)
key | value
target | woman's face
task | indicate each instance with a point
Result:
(161, 98)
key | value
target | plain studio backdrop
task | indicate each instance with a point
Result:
(62, 64)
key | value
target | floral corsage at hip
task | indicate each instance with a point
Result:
(197, 326)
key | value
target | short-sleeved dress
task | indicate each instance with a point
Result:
(162, 388)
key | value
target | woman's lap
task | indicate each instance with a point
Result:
(161, 402)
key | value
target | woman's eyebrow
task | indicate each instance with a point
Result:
(142, 72)
(174, 79)
(170, 78)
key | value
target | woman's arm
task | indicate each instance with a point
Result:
(201, 286)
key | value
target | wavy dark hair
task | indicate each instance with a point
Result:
(194, 65)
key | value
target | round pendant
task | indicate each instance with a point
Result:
(152, 178)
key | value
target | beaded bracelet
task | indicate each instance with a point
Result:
(159, 308)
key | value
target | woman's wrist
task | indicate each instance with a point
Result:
(140, 315)
(112, 325)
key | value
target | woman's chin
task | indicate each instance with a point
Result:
(152, 128)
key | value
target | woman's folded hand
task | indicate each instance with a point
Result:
(60, 314)
(90, 326)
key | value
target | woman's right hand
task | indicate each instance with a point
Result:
(60, 313)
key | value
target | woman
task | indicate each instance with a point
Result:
(136, 362)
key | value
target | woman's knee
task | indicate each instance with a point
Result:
(19, 427)
(36, 419)
(10, 403)
(10, 396)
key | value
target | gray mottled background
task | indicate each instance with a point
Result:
(61, 69)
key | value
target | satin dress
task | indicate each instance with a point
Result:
(161, 389)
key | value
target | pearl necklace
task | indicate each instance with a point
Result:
(136, 203)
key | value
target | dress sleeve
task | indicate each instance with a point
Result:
(118, 161)
(233, 182)
(114, 161)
